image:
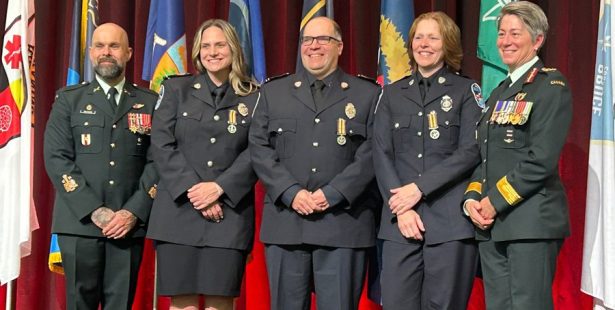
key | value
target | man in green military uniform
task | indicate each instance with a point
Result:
(96, 155)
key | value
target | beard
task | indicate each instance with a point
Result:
(108, 72)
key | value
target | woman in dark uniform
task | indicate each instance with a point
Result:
(516, 198)
(203, 215)
(424, 153)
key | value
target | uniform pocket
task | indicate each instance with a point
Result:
(88, 132)
(282, 133)
(400, 125)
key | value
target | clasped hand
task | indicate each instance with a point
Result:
(114, 225)
(204, 197)
(481, 213)
(310, 202)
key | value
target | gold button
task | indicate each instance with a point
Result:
(419, 156)
(419, 133)
(212, 140)
(210, 164)
(114, 126)
(314, 170)
(280, 130)
(396, 125)
(112, 163)
(185, 114)
(420, 113)
(216, 117)
(315, 144)
(112, 145)
(86, 123)
(111, 182)
(317, 120)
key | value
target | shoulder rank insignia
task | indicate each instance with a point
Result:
(152, 191)
(344, 85)
(297, 84)
(558, 82)
(545, 69)
(367, 78)
(271, 78)
(176, 75)
(69, 183)
(441, 80)
(531, 76)
(197, 85)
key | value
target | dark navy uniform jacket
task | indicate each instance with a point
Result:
(406, 151)
(191, 144)
(519, 162)
(294, 143)
(95, 157)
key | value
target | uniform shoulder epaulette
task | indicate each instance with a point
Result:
(177, 75)
(367, 78)
(145, 90)
(75, 86)
(271, 78)
(545, 69)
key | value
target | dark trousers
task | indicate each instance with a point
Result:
(100, 271)
(419, 276)
(336, 274)
(519, 274)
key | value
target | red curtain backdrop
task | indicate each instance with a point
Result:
(570, 47)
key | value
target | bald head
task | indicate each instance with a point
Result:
(110, 52)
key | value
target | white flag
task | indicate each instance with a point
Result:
(15, 142)
(598, 279)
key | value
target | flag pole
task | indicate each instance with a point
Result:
(155, 297)
(10, 296)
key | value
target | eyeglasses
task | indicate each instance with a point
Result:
(307, 40)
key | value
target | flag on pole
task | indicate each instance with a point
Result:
(165, 42)
(598, 277)
(80, 68)
(494, 71)
(311, 9)
(85, 21)
(245, 16)
(396, 17)
(15, 142)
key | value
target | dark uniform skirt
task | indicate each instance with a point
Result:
(188, 270)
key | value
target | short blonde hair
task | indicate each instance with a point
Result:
(239, 78)
(451, 39)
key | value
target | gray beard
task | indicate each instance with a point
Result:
(109, 72)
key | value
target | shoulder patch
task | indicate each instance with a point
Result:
(271, 78)
(478, 96)
(558, 82)
(176, 75)
(367, 78)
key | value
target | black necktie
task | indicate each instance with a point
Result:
(111, 98)
(218, 94)
(506, 83)
(423, 88)
(317, 93)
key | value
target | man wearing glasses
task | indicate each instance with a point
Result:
(310, 143)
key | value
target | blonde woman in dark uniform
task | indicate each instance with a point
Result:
(203, 215)
(424, 153)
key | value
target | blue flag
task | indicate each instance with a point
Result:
(396, 17)
(165, 43)
(245, 16)
(598, 277)
(85, 20)
(311, 9)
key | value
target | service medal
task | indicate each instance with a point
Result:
(140, 123)
(432, 118)
(232, 121)
(243, 109)
(350, 111)
(341, 131)
(446, 103)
